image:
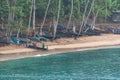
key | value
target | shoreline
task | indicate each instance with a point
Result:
(90, 43)
(16, 56)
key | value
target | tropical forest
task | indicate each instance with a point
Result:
(54, 18)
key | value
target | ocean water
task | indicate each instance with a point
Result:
(100, 64)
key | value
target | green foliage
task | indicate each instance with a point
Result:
(22, 9)
(3, 10)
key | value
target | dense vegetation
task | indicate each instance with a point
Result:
(23, 14)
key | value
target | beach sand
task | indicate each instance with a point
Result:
(61, 45)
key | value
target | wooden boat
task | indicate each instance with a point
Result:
(33, 46)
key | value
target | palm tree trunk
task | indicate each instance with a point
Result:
(31, 9)
(83, 19)
(19, 28)
(34, 8)
(50, 27)
(56, 23)
(70, 15)
(94, 19)
(92, 5)
(44, 18)
(79, 8)
(10, 19)
(106, 12)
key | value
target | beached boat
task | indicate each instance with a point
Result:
(33, 46)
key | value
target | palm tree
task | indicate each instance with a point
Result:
(30, 15)
(56, 23)
(10, 18)
(84, 21)
(34, 8)
(44, 17)
(83, 18)
(92, 5)
(70, 15)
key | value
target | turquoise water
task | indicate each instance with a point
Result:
(101, 64)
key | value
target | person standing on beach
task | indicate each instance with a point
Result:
(43, 45)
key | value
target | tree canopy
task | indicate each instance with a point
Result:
(20, 9)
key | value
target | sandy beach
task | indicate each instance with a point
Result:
(61, 45)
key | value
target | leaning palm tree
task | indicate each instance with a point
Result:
(95, 15)
(83, 18)
(70, 15)
(41, 28)
(92, 5)
(34, 8)
(84, 22)
(11, 15)
(106, 10)
(30, 15)
(56, 23)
